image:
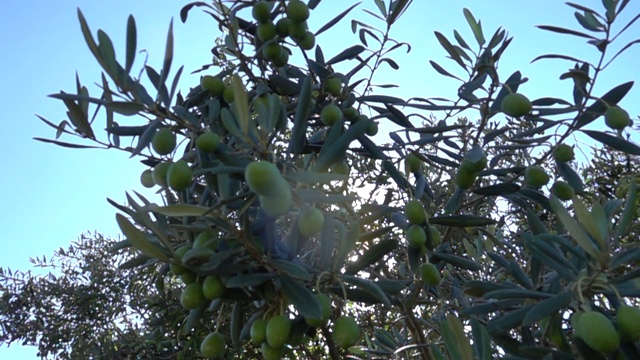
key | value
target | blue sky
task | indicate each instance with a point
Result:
(51, 194)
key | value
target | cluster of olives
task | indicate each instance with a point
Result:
(275, 333)
(332, 113)
(199, 291)
(597, 331)
(416, 235)
(272, 335)
(536, 176)
(417, 238)
(518, 105)
(178, 175)
(468, 171)
(274, 192)
(563, 153)
(293, 25)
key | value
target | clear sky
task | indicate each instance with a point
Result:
(51, 194)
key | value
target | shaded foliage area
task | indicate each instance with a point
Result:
(78, 304)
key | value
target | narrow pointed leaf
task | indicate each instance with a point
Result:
(548, 307)
(442, 71)
(298, 132)
(335, 20)
(368, 286)
(301, 298)
(629, 212)
(456, 341)
(65, 144)
(458, 261)
(461, 221)
(139, 240)
(346, 54)
(595, 110)
(573, 227)
(179, 210)
(371, 256)
(131, 43)
(476, 27)
(614, 142)
(291, 269)
(450, 49)
(565, 31)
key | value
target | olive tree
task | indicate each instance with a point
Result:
(468, 233)
(91, 304)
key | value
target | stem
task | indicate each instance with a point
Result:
(333, 349)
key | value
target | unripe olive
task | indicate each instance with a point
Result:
(629, 323)
(597, 331)
(563, 153)
(412, 162)
(297, 11)
(414, 212)
(516, 105)
(616, 118)
(163, 141)
(535, 176)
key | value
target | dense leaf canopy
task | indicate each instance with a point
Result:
(443, 239)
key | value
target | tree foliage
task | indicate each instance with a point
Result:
(296, 129)
(89, 305)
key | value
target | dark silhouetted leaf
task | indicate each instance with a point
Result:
(512, 84)
(450, 49)
(139, 240)
(135, 262)
(599, 107)
(574, 228)
(565, 31)
(458, 261)
(302, 298)
(298, 132)
(495, 133)
(127, 130)
(331, 153)
(475, 26)
(442, 71)
(335, 20)
(241, 281)
(571, 176)
(291, 269)
(397, 9)
(381, 99)
(391, 63)
(516, 293)
(548, 307)
(614, 142)
(481, 340)
(346, 54)
(499, 189)
(368, 286)
(67, 145)
(371, 256)
(455, 339)
(131, 43)
(125, 107)
(492, 306)
(461, 220)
